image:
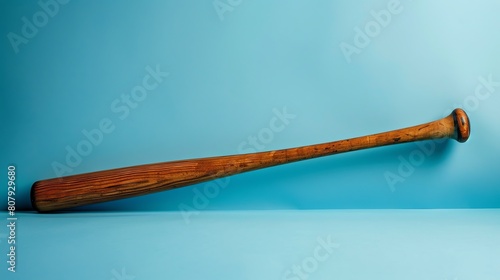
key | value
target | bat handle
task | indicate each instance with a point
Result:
(461, 124)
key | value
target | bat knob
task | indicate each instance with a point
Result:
(462, 125)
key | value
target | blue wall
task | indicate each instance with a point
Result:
(167, 80)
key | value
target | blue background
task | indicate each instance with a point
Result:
(228, 74)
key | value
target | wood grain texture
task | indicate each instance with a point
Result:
(83, 189)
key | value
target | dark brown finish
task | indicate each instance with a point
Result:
(83, 189)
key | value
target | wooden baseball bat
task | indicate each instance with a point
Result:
(83, 189)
